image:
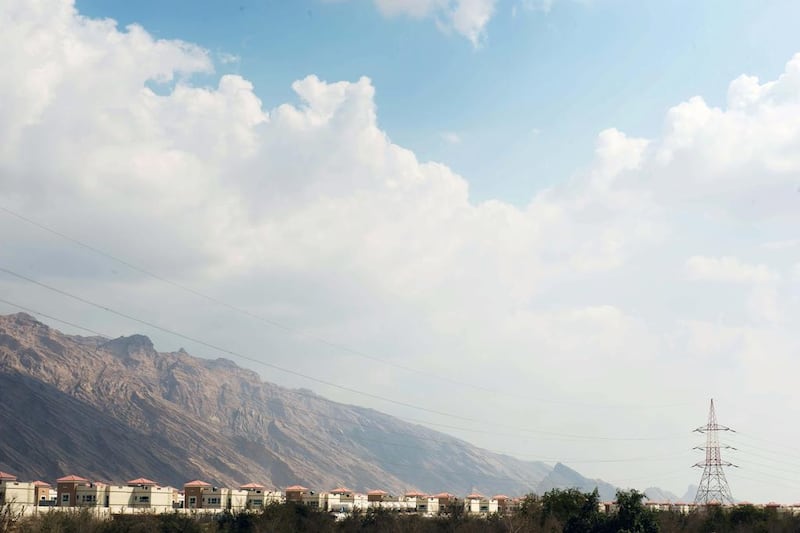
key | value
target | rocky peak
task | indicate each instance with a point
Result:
(137, 347)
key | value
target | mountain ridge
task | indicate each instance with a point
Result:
(168, 411)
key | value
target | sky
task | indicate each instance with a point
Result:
(562, 225)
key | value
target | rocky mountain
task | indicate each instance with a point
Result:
(656, 494)
(118, 409)
(562, 476)
(691, 492)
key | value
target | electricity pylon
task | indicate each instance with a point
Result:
(713, 485)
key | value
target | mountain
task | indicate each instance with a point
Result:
(656, 494)
(691, 492)
(117, 409)
(564, 477)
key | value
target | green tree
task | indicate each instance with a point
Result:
(632, 516)
(574, 510)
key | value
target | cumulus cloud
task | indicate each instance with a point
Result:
(728, 270)
(307, 213)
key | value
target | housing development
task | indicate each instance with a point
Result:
(197, 497)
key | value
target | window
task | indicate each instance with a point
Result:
(144, 499)
(257, 503)
(213, 500)
(65, 498)
(192, 500)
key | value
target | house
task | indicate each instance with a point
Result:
(344, 500)
(476, 503)
(384, 500)
(504, 503)
(296, 493)
(140, 494)
(419, 502)
(15, 493)
(679, 507)
(445, 501)
(44, 495)
(91, 494)
(376, 497)
(201, 495)
(657, 506)
(316, 500)
(258, 496)
(195, 494)
(67, 490)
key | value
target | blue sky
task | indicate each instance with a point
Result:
(527, 103)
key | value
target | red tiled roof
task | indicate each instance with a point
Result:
(341, 490)
(41, 484)
(197, 483)
(500, 497)
(72, 478)
(295, 488)
(6, 475)
(377, 493)
(443, 495)
(415, 494)
(141, 481)
(252, 486)
(475, 496)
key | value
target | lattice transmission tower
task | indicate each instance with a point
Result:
(713, 485)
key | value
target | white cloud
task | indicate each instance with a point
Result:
(228, 59)
(534, 5)
(727, 270)
(781, 244)
(466, 17)
(450, 137)
(743, 159)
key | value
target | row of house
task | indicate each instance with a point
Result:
(344, 500)
(145, 495)
(686, 508)
(137, 495)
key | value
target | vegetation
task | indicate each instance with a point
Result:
(556, 511)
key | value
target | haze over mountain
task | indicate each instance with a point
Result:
(118, 409)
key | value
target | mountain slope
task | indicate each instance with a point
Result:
(117, 409)
(564, 477)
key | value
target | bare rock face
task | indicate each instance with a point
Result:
(118, 409)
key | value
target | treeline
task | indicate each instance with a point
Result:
(569, 511)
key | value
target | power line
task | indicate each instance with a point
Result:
(229, 352)
(456, 442)
(294, 372)
(299, 331)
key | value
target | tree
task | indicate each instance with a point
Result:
(632, 516)
(576, 511)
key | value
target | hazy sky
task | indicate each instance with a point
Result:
(564, 225)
